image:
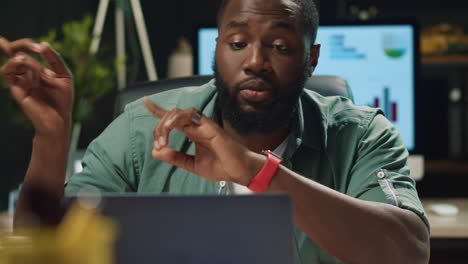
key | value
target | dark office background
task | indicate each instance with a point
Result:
(168, 20)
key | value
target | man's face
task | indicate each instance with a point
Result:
(261, 61)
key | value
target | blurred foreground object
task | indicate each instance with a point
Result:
(84, 236)
(444, 39)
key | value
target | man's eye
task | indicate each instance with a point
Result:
(282, 48)
(238, 45)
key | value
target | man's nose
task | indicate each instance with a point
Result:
(257, 61)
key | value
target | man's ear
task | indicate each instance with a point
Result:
(314, 55)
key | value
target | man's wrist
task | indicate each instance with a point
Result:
(61, 141)
(56, 146)
(261, 181)
(53, 138)
(254, 163)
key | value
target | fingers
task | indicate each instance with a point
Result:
(175, 158)
(168, 120)
(196, 117)
(162, 114)
(18, 93)
(44, 49)
(54, 59)
(50, 78)
(176, 118)
(32, 108)
(158, 111)
(21, 45)
(24, 45)
(22, 70)
(188, 121)
(26, 67)
(196, 126)
(5, 46)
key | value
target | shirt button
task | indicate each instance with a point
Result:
(222, 183)
(381, 175)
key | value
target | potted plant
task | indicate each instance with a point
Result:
(93, 75)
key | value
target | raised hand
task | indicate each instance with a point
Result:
(217, 156)
(45, 95)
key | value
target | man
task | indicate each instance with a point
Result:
(344, 166)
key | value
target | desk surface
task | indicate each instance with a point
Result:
(448, 226)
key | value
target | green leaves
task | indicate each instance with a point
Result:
(93, 74)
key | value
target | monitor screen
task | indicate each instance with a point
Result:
(378, 60)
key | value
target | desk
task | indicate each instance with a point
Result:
(448, 226)
(449, 234)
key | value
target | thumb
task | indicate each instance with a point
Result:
(30, 106)
(174, 157)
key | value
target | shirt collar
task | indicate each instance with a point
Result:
(308, 128)
(313, 121)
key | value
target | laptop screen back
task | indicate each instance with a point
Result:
(202, 229)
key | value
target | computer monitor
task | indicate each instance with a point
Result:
(378, 59)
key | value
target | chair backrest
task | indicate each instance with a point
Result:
(326, 85)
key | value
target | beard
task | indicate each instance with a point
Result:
(264, 119)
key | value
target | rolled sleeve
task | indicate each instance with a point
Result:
(381, 172)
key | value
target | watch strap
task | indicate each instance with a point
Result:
(262, 180)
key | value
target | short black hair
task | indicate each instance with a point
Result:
(310, 15)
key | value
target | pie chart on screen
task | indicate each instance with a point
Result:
(395, 45)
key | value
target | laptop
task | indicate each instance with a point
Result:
(201, 229)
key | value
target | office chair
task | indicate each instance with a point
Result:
(326, 85)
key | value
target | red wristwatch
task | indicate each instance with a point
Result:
(260, 182)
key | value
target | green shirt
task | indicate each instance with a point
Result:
(354, 150)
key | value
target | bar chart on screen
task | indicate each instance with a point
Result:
(389, 107)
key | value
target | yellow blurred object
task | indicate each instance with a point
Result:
(443, 39)
(84, 236)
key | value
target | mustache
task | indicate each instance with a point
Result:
(254, 83)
